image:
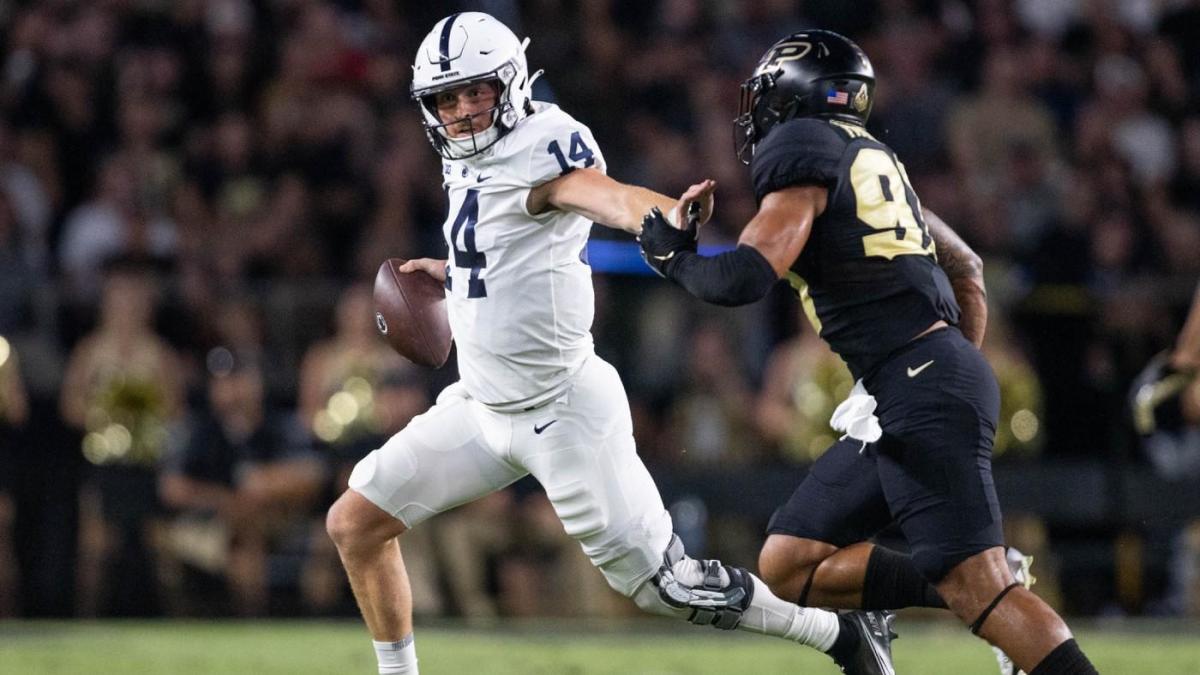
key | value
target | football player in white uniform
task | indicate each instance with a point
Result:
(525, 180)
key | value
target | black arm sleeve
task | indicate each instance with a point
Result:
(737, 277)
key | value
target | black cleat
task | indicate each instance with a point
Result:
(874, 653)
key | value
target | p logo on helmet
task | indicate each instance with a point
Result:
(793, 50)
(784, 51)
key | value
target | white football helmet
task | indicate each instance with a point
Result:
(462, 49)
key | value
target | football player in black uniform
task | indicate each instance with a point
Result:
(839, 220)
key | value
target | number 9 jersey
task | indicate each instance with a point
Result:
(518, 287)
(868, 276)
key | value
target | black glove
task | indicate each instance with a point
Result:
(661, 241)
(1155, 396)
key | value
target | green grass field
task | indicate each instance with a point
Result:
(559, 648)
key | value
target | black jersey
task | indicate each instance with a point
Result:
(868, 276)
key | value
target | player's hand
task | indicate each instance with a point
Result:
(660, 241)
(431, 266)
(701, 193)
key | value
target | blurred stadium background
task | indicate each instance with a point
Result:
(193, 194)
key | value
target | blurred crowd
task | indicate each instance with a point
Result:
(195, 195)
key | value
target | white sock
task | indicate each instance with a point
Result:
(772, 616)
(396, 658)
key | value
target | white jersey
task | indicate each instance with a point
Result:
(519, 292)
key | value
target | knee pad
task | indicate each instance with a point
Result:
(704, 592)
(934, 564)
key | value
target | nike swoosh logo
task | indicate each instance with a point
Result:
(913, 372)
(483, 178)
(539, 430)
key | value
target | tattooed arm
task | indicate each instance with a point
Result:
(965, 269)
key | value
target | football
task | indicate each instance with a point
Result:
(410, 312)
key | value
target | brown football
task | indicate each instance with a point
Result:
(410, 312)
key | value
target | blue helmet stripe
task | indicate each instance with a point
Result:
(444, 44)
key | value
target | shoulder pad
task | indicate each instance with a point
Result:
(805, 151)
(551, 143)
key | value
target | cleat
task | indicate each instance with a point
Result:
(1018, 564)
(874, 653)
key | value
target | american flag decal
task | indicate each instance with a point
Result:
(837, 97)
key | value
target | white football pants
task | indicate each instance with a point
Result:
(579, 447)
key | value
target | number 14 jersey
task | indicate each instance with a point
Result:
(868, 276)
(518, 287)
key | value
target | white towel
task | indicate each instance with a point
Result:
(855, 417)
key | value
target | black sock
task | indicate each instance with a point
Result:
(847, 640)
(893, 582)
(1066, 659)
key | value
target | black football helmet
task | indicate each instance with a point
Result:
(816, 73)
